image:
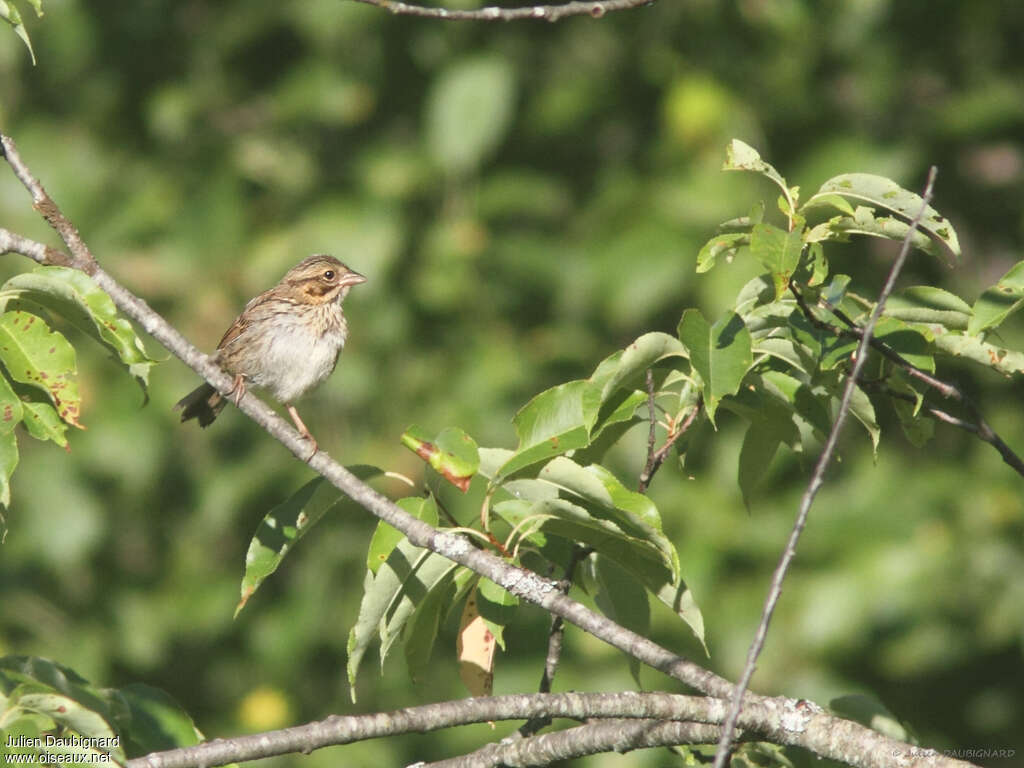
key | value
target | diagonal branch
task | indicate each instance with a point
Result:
(816, 481)
(593, 8)
(801, 724)
(980, 427)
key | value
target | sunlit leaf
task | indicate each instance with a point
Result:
(74, 296)
(35, 355)
(740, 156)
(453, 454)
(880, 192)
(726, 245)
(778, 251)
(8, 463)
(497, 608)
(999, 301)
(553, 422)
(475, 645)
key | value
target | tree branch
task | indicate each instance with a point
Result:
(593, 8)
(589, 739)
(980, 427)
(656, 458)
(783, 721)
(816, 481)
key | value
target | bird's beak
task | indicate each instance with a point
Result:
(352, 278)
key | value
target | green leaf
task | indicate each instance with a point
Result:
(623, 368)
(42, 422)
(74, 296)
(622, 599)
(760, 445)
(778, 251)
(497, 608)
(555, 421)
(866, 222)
(720, 353)
(743, 157)
(10, 14)
(927, 304)
(280, 530)
(864, 412)
(385, 537)
(469, 111)
(1006, 361)
(880, 192)
(35, 355)
(390, 597)
(424, 625)
(453, 454)
(157, 722)
(283, 526)
(8, 462)
(727, 245)
(11, 409)
(998, 302)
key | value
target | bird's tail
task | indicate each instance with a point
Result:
(202, 403)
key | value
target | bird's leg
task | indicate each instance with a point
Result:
(238, 390)
(303, 430)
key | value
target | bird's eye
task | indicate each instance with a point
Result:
(328, 274)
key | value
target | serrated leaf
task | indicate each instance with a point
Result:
(35, 355)
(469, 111)
(74, 296)
(999, 301)
(720, 353)
(726, 245)
(878, 191)
(778, 251)
(555, 421)
(928, 304)
(452, 453)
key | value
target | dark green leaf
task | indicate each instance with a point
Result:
(720, 353)
(778, 251)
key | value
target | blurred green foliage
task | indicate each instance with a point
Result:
(524, 199)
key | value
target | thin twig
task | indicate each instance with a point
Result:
(555, 635)
(980, 427)
(652, 435)
(817, 478)
(784, 721)
(656, 459)
(593, 8)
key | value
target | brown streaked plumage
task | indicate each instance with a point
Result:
(286, 341)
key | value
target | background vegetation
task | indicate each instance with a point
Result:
(524, 199)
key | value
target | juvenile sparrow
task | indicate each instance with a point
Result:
(286, 340)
